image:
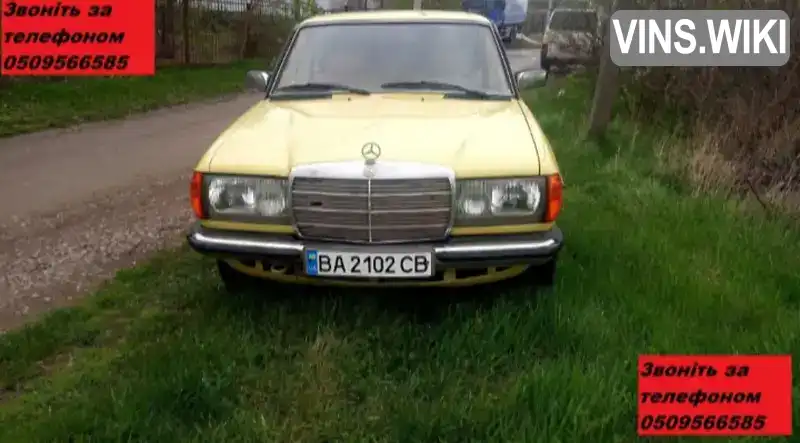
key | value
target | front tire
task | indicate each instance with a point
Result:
(547, 64)
(545, 60)
(234, 281)
(543, 275)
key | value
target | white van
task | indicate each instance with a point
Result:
(515, 15)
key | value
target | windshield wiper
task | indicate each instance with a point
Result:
(464, 92)
(322, 87)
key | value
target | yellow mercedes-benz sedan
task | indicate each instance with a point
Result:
(391, 148)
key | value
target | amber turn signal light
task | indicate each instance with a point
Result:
(196, 195)
(554, 197)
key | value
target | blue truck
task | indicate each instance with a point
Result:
(507, 15)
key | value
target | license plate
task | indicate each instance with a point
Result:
(324, 263)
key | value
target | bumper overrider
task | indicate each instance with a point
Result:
(462, 260)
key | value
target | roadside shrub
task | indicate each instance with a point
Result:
(740, 126)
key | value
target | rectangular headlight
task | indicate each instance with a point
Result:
(500, 201)
(246, 198)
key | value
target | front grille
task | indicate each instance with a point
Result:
(372, 211)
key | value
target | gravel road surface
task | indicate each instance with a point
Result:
(82, 203)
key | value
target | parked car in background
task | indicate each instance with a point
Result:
(570, 38)
(391, 148)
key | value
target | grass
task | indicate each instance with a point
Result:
(28, 105)
(161, 354)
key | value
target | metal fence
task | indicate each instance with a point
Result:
(223, 31)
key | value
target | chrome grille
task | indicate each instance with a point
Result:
(377, 210)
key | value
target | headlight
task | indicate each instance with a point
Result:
(248, 197)
(498, 200)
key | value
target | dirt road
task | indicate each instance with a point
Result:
(79, 204)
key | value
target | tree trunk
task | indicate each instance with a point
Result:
(790, 6)
(245, 37)
(607, 87)
(297, 10)
(605, 92)
(168, 37)
(187, 45)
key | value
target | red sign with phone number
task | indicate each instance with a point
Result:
(81, 37)
(715, 395)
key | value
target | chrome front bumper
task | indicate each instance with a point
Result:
(457, 252)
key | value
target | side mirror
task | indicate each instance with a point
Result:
(531, 79)
(256, 81)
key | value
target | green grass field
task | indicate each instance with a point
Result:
(161, 354)
(29, 105)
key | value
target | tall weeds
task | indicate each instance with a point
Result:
(740, 126)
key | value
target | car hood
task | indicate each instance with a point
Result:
(474, 137)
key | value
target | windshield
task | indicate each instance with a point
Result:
(373, 57)
(584, 21)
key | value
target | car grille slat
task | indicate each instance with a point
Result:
(332, 218)
(312, 201)
(380, 211)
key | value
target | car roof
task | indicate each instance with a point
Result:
(401, 16)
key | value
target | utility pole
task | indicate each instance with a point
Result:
(417, 5)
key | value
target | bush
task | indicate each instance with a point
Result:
(742, 125)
